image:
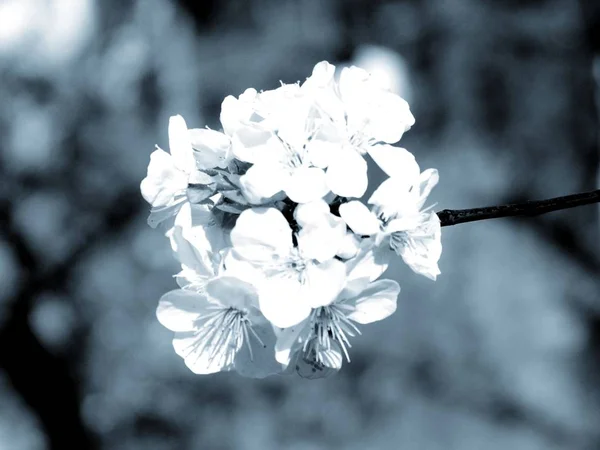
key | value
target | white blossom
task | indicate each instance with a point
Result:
(279, 266)
(237, 113)
(398, 219)
(321, 340)
(293, 279)
(361, 113)
(211, 148)
(198, 242)
(173, 179)
(280, 167)
(220, 329)
(323, 235)
(276, 146)
(168, 174)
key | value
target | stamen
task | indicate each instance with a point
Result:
(292, 157)
(222, 333)
(248, 343)
(330, 324)
(256, 336)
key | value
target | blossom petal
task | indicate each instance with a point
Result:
(292, 122)
(164, 180)
(323, 240)
(352, 84)
(248, 142)
(421, 248)
(233, 292)
(358, 94)
(395, 162)
(358, 217)
(261, 362)
(192, 257)
(311, 213)
(390, 117)
(404, 223)
(353, 289)
(427, 181)
(235, 113)
(376, 302)
(195, 239)
(201, 358)
(211, 148)
(180, 145)
(199, 177)
(282, 302)
(320, 88)
(350, 246)
(388, 191)
(288, 342)
(281, 107)
(371, 108)
(322, 76)
(165, 215)
(247, 270)
(306, 185)
(320, 152)
(263, 181)
(178, 310)
(347, 174)
(371, 261)
(323, 282)
(393, 198)
(265, 227)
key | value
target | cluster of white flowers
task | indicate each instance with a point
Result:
(279, 259)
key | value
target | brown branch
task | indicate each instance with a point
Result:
(530, 208)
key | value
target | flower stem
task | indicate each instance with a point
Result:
(530, 208)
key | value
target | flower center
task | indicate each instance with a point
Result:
(384, 215)
(299, 265)
(294, 161)
(357, 141)
(291, 158)
(358, 138)
(413, 239)
(223, 332)
(398, 240)
(329, 324)
(296, 265)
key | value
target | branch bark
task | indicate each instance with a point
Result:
(530, 208)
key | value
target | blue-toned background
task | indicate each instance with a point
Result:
(502, 352)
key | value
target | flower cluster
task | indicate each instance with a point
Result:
(280, 259)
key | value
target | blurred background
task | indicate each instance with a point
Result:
(502, 352)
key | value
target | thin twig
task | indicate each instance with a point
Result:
(530, 208)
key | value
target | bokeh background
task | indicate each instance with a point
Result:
(502, 352)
